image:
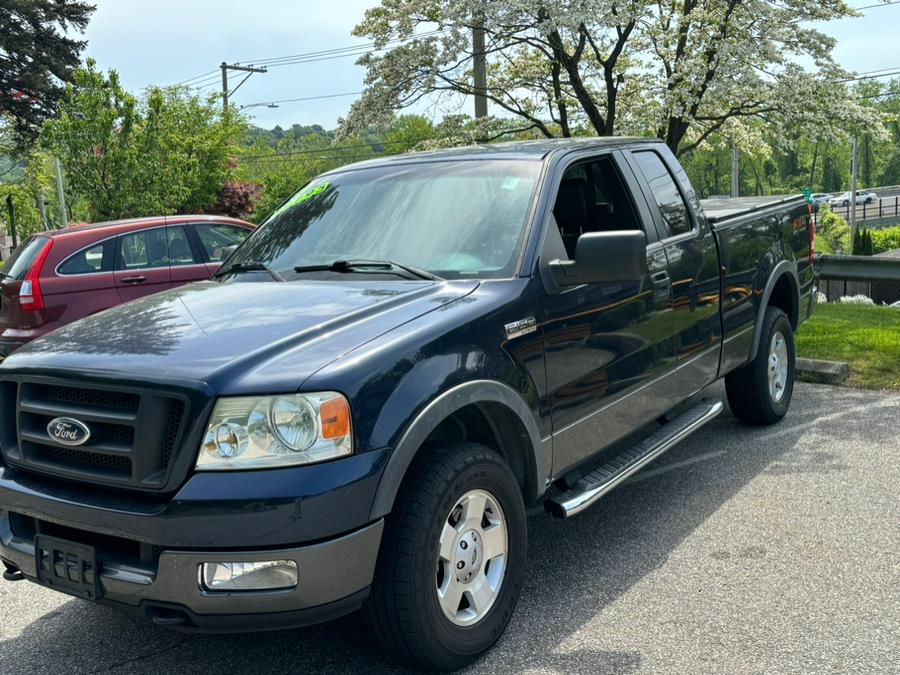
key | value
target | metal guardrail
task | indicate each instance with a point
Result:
(858, 268)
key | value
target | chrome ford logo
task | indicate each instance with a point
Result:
(68, 431)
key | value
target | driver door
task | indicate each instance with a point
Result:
(604, 342)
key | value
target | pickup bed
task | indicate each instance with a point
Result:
(356, 410)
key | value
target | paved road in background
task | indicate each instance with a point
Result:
(741, 550)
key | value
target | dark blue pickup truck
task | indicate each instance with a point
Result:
(357, 409)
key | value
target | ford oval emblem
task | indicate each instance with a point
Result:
(68, 431)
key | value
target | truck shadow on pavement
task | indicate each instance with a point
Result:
(577, 568)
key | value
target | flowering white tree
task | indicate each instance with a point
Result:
(683, 70)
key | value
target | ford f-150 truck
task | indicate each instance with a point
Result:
(357, 409)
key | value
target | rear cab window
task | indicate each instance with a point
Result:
(22, 258)
(674, 210)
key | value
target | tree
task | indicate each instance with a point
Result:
(165, 153)
(682, 70)
(37, 58)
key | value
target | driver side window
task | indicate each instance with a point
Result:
(592, 198)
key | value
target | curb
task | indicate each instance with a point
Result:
(822, 372)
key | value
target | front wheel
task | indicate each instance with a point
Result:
(760, 392)
(452, 562)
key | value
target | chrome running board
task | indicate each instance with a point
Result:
(611, 473)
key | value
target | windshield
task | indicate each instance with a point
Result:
(456, 219)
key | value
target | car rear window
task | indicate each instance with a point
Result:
(20, 261)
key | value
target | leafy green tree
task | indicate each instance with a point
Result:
(406, 132)
(37, 55)
(168, 152)
(284, 169)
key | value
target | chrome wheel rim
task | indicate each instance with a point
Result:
(778, 366)
(472, 556)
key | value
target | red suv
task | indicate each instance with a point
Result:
(56, 277)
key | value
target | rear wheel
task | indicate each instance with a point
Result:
(452, 561)
(760, 392)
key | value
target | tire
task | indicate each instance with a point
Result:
(404, 612)
(753, 396)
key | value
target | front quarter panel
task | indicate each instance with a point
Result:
(391, 381)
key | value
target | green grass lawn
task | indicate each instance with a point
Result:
(866, 337)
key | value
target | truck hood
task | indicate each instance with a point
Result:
(236, 337)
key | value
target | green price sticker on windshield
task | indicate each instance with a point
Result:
(304, 195)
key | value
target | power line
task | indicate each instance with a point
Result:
(858, 78)
(303, 98)
(880, 4)
(366, 47)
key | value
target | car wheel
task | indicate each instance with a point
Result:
(760, 392)
(452, 562)
(846, 203)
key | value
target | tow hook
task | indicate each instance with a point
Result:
(12, 573)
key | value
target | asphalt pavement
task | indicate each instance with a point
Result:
(742, 550)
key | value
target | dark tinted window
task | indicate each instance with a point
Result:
(20, 261)
(665, 192)
(217, 237)
(87, 261)
(145, 249)
(180, 252)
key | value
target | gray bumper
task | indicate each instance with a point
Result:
(334, 575)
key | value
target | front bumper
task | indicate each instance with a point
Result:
(149, 548)
(335, 576)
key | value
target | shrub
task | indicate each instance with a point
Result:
(833, 229)
(885, 239)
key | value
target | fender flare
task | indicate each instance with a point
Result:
(785, 267)
(475, 391)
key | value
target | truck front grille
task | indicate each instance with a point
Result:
(134, 435)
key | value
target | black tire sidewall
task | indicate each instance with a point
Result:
(403, 610)
(472, 640)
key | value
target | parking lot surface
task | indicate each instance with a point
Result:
(741, 550)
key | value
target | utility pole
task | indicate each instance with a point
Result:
(244, 69)
(735, 170)
(854, 168)
(39, 201)
(479, 67)
(224, 68)
(12, 221)
(63, 219)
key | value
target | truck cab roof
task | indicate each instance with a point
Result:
(535, 150)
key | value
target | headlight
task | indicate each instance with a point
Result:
(255, 432)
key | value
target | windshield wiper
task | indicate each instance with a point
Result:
(249, 266)
(358, 265)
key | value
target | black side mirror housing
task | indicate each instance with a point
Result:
(616, 256)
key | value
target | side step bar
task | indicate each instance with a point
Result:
(605, 477)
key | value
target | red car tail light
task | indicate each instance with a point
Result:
(30, 298)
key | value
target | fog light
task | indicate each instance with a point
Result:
(266, 575)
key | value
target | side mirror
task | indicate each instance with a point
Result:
(620, 255)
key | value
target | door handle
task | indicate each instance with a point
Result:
(133, 280)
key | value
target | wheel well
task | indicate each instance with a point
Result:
(493, 425)
(784, 296)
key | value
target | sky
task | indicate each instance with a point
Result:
(168, 41)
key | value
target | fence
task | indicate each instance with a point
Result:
(877, 277)
(881, 209)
